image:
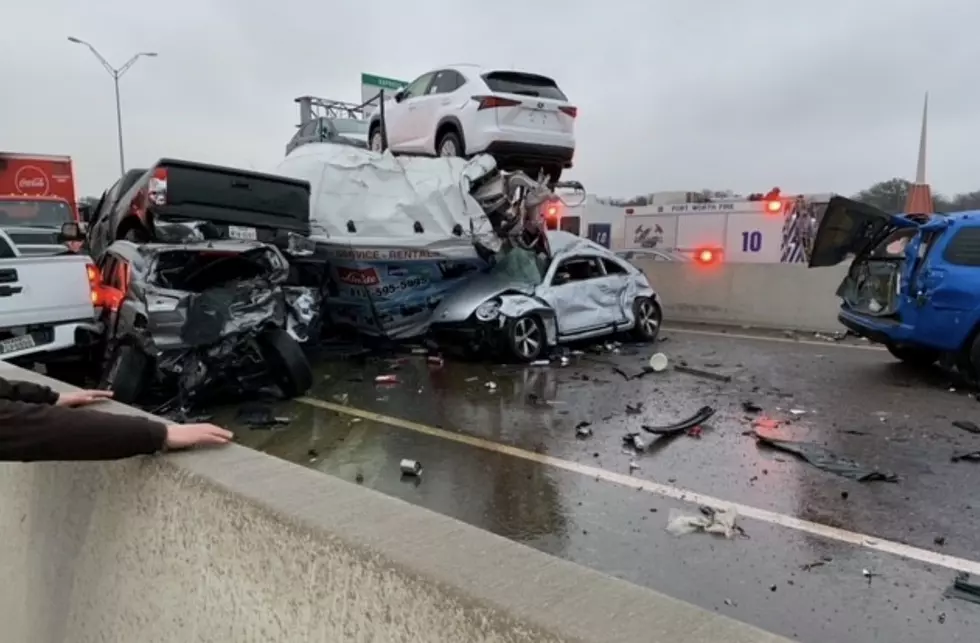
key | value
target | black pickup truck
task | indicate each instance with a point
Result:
(232, 204)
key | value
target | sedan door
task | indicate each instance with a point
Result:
(584, 298)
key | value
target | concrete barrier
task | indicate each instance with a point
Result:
(762, 295)
(234, 545)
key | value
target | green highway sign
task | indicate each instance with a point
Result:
(381, 82)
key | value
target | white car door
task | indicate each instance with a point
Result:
(583, 297)
(399, 114)
(429, 109)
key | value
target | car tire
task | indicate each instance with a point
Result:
(449, 141)
(525, 338)
(376, 141)
(647, 319)
(126, 374)
(968, 361)
(290, 369)
(913, 355)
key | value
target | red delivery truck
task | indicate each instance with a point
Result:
(43, 177)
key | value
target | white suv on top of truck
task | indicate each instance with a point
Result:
(523, 120)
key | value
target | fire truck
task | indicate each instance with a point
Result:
(761, 228)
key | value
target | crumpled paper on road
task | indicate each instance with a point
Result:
(711, 521)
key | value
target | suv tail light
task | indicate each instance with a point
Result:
(569, 109)
(157, 189)
(94, 285)
(489, 102)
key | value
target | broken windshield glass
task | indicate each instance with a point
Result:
(518, 265)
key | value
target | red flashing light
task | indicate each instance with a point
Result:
(551, 211)
(774, 206)
(706, 256)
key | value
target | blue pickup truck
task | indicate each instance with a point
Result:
(914, 283)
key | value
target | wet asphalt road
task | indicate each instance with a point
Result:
(858, 403)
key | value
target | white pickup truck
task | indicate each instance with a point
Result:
(47, 304)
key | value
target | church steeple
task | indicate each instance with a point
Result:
(919, 200)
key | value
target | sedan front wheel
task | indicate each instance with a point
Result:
(525, 338)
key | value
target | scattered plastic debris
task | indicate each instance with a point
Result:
(634, 441)
(386, 379)
(711, 521)
(797, 411)
(658, 362)
(966, 425)
(540, 362)
(824, 459)
(411, 467)
(963, 589)
(634, 409)
(681, 368)
(435, 360)
(751, 407)
(969, 456)
(583, 430)
(817, 563)
(341, 398)
(700, 417)
(491, 385)
(633, 466)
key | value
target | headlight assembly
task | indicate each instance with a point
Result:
(488, 310)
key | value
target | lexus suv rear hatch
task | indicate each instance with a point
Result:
(877, 241)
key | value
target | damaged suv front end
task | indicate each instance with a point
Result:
(199, 316)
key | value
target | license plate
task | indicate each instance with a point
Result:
(242, 234)
(16, 344)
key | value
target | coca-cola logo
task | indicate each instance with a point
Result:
(31, 180)
(354, 277)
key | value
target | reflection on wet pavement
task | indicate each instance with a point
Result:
(855, 403)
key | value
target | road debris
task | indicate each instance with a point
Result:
(583, 430)
(751, 407)
(966, 425)
(690, 370)
(540, 362)
(700, 417)
(260, 416)
(410, 467)
(491, 386)
(817, 563)
(658, 362)
(720, 522)
(634, 441)
(386, 379)
(435, 361)
(633, 466)
(963, 589)
(634, 409)
(968, 456)
(822, 458)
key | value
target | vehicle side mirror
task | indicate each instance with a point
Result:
(71, 231)
(399, 96)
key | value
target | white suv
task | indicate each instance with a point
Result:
(524, 120)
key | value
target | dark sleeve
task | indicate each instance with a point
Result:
(32, 432)
(26, 392)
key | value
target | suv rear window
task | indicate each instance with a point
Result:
(515, 82)
(964, 248)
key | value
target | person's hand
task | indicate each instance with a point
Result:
(183, 436)
(83, 398)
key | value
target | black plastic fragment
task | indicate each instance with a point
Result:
(824, 459)
(966, 425)
(963, 589)
(702, 373)
(700, 417)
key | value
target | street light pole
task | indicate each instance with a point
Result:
(116, 73)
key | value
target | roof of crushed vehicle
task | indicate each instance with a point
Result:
(219, 245)
(562, 242)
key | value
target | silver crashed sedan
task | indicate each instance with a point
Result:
(529, 303)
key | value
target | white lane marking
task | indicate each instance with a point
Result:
(764, 338)
(667, 491)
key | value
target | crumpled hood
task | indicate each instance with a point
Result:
(461, 303)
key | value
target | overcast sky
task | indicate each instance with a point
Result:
(809, 96)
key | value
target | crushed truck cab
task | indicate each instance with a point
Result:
(914, 283)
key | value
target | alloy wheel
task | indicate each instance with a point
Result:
(527, 338)
(649, 320)
(448, 148)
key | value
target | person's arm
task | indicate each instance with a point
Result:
(16, 391)
(35, 432)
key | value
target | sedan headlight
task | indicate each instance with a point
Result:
(488, 310)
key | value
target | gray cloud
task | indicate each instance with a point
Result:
(744, 95)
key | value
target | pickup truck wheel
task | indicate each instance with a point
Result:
(287, 363)
(376, 142)
(647, 316)
(525, 338)
(914, 356)
(126, 374)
